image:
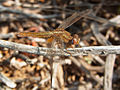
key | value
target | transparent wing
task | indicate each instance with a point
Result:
(74, 18)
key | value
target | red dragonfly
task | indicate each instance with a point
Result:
(59, 33)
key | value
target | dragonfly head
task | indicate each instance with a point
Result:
(76, 39)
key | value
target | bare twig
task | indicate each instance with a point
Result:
(99, 7)
(96, 57)
(28, 15)
(86, 4)
(9, 35)
(103, 20)
(92, 68)
(7, 81)
(100, 38)
(106, 24)
(99, 50)
(109, 65)
(83, 68)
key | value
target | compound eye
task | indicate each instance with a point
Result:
(76, 39)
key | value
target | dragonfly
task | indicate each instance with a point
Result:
(60, 33)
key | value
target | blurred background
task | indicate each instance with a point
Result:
(24, 71)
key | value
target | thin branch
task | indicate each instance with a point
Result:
(103, 20)
(8, 35)
(7, 81)
(28, 15)
(109, 70)
(99, 50)
(110, 60)
(106, 23)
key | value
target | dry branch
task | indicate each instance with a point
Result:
(27, 15)
(106, 23)
(99, 50)
(110, 60)
(103, 20)
(7, 81)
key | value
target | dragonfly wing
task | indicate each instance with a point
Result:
(74, 18)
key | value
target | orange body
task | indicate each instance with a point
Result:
(57, 33)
